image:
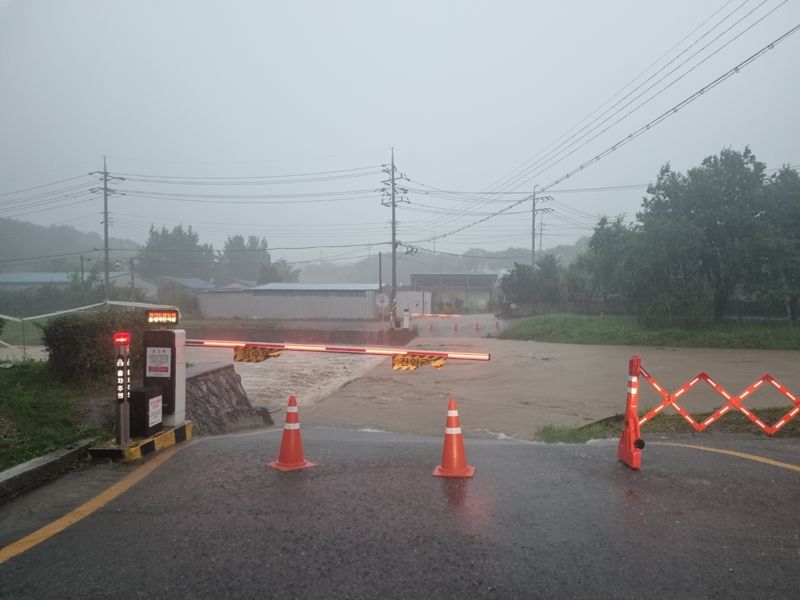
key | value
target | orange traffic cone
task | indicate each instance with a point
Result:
(454, 459)
(291, 454)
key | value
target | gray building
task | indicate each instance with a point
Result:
(337, 301)
(454, 292)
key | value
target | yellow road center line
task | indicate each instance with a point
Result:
(104, 497)
(87, 508)
(744, 455)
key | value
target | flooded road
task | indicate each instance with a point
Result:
(308, 375)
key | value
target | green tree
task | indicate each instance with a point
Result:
(244, 259)
(717, 210)
(546, 280)
(610, 248)
(780, 268)
(280, 270)
(176, 253)
(518, 284)
(580, 281)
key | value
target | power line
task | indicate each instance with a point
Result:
(44, 185)
(233, 183)
(308, 198)
(508, 179)
(635, 134)
(234, 178)
(573, 146)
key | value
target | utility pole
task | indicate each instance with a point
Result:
(106, 193)
(541, 225)
(106, 280)
(392, 196)
(533, 228)
(380, 271)
(81, 268)
(534, 210)
(133, 281)
(393, 299)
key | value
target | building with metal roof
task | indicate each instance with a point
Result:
(337, 301)
(457, 291)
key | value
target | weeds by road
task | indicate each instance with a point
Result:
(37, 413)
(611, 330)
(733, 422)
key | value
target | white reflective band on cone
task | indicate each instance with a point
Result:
(452, 413)
(291, 425)
(631, 390)
(452, 430)
(291, 409)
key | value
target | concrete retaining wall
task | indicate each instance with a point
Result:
(217, 403)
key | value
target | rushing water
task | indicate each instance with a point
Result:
(310, 376)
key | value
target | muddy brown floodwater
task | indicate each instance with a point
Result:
(524, 386)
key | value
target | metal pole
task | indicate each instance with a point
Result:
(380, 271)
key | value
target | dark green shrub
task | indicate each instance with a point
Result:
(81, 345)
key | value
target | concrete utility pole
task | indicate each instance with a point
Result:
(534, 210)
(106, 193)
(533, 228)
(132, 264)
(392, 193)
(106, 280)
(393, 299)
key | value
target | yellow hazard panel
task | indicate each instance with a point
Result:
(403, 362)
(254, 354)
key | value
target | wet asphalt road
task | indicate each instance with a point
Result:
(537, 521)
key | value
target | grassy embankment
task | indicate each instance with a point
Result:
(37, 413)
(626, 331)
(610, 330)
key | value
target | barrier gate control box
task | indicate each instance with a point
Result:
(165, 367)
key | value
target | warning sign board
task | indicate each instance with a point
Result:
(154, 411)
(403, 362)
(254, 354)
(158, 362)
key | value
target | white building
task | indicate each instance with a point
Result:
(336, 301)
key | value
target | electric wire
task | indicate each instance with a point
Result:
(638, 132)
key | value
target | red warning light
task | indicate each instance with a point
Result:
(122, 338)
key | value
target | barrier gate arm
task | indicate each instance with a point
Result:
(365, 350)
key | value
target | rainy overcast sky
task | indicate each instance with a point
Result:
(215, 112)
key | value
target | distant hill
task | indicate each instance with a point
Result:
(475, 260)
(20, 241)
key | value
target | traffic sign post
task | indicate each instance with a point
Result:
(382, 300)
(122, 369)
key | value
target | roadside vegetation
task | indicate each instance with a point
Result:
(714, 243)
(37, 412)
(40, 402)
(628, 331)
(611, 427)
